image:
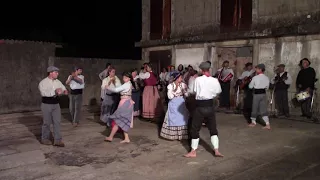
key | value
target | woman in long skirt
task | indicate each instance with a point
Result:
(136, 93)
(123, 116)
(111, 99)
(175, 125)
(151, 102)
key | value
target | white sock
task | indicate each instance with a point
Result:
(266, 120)
(195, 143)
(215, 141)
(253, 120)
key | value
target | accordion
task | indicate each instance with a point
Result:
(226, 78)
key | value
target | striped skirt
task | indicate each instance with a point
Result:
(173, 132)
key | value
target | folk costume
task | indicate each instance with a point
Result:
(151, 102)
(206, 89)
(260, 83)
(175, 125)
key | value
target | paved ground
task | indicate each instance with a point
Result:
(289, 151)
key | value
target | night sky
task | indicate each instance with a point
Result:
(102, 30)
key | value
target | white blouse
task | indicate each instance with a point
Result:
(144, 75)
(125, 89)
(181, 90)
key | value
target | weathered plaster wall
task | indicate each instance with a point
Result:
(290, 51)
(190, 56)
(278, 13)
(194, 17)
(23, 64)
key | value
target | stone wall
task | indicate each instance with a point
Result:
(23, 65)
(91, 69)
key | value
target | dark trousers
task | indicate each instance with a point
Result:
(306, 106)
(247, 104)
(281, 100)
(199, 115)
(225, 95)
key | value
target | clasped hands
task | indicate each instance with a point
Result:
(59, 91)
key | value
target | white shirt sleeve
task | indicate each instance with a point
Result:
(243, 75)
(143, 75)
(104, 83)
(117, 82)
(218, 89)
(289, 80)
(123, 87)
(195, 86)
(44, 90)
(61, 85)
(170, 91)
(251, 84)
(191, 85)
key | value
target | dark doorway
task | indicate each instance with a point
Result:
(160, 59)
(156, 19)
(160, 19)
(166, 29)
(236, 15)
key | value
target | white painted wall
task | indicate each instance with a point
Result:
(192, 56)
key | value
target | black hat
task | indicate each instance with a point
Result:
(248, 64)
(175, 75)
(304, 59)
(281, 65)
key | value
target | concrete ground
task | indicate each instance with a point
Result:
(289, 151)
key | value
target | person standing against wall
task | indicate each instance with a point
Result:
(50, 89)
(76, 83)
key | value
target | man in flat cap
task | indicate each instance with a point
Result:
(281, 82)
(76, 83)
(50, 89)
(206, 88)
(260, 83)
(225, 76)
(305, 82)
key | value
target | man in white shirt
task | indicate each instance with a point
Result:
(50, 89)
(282, 81)
(260, 84)
(76, 83)
(206, 88)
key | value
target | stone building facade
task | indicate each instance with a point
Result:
(258, 31)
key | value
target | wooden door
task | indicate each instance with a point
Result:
(166, 29)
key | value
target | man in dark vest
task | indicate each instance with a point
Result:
(281, 83)
(305, 82)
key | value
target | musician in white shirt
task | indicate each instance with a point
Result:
(206, 88)
(282, 81)
(259, 84)
(225, 76)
